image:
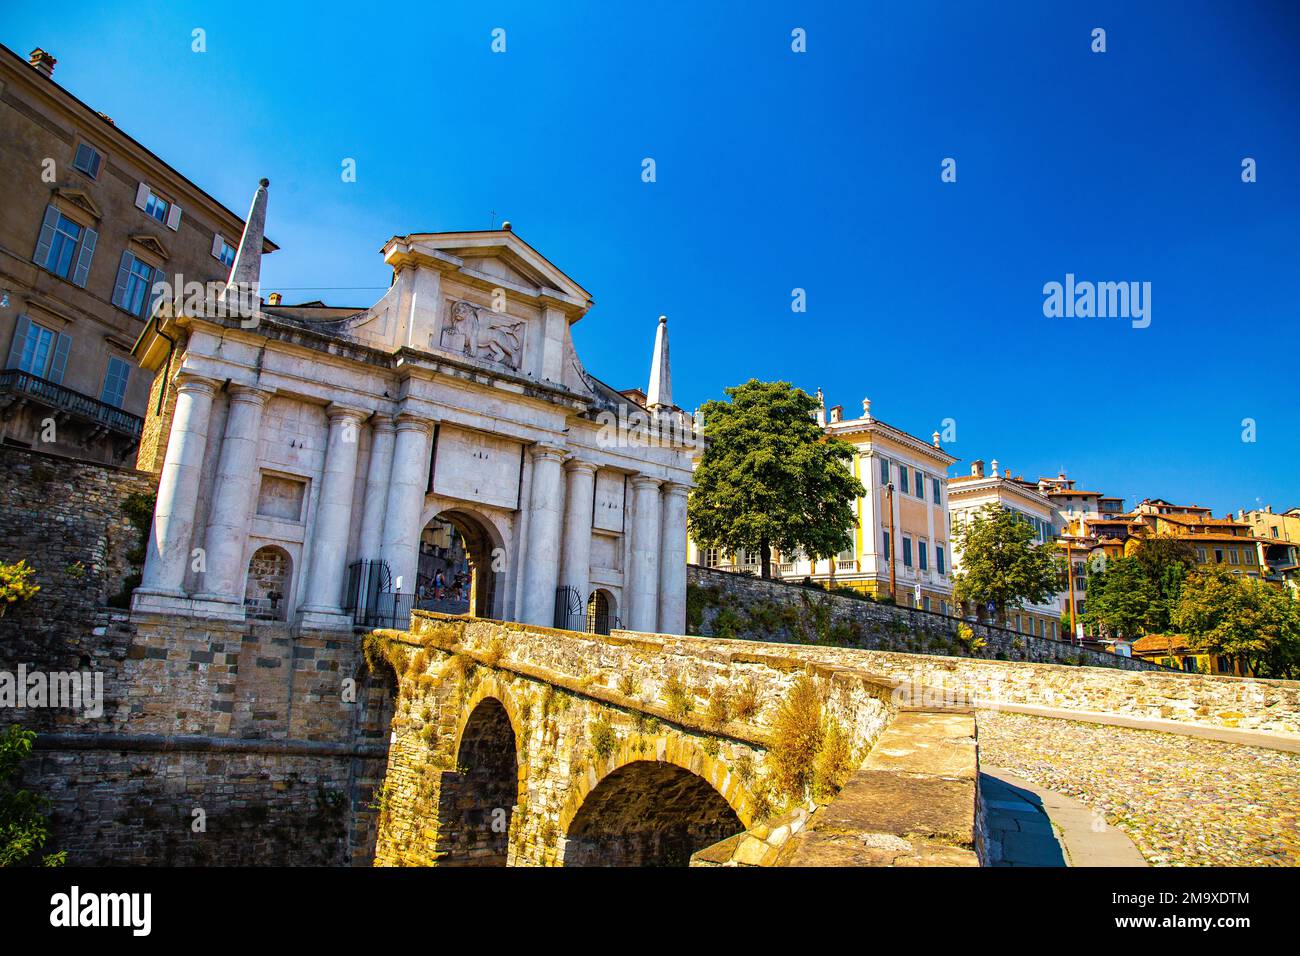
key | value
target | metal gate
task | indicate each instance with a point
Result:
(568, 608)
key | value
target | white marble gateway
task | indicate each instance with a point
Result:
(308, 438)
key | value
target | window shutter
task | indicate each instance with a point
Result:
(216, 245)
(60, 358)
(84, 256)
(142, 196)
(21, 329)
(47, 235)
(158, 283)
(123, 272)
(174, 217)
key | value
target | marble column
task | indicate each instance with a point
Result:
(579, 502)
(672, 560)
(382, 431)
(542, 557)
(167, 552)
(642, 593)
(408, 481)
(329, 546)
(234, 492)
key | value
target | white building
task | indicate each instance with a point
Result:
(306, 441)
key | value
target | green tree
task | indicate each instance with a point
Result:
(23, 827)
(1240, 618)
(770, 478)
(1002, 562)
(1120, 598)
(1166, 560)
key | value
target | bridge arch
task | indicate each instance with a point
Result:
(477, 803)
(652, 805)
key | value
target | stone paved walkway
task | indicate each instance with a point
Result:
(1185, 801)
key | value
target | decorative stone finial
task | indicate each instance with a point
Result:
(935, 438)
(866, 408)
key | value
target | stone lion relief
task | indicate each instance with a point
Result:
(472, 331)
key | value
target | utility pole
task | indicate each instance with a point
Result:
(893, 582)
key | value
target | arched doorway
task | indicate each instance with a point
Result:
(476, 803)
(600, 612)
(455, 574)
(648, 813)
(266, 591)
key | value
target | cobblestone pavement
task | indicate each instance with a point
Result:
(1184, 801)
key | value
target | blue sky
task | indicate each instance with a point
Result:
(778, 171)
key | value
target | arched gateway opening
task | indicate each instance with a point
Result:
(455, 573)
(476, 803)
(648, 813)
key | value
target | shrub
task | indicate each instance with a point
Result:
(744, 703)
(17, 583)
(796, 738)
(23, 826)
(719, 710)
(834, 762)
(676, 695)
(603, 738)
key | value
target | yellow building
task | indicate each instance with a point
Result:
(1171, 650)
(906, 486)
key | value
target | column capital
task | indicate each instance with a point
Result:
(580, 466)
(646, 481)
(336, 412)
(382, 421)
(544, 451)
(200, 384)
(253, 394)
(408, 422)
(676, 488)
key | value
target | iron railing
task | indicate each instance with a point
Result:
(54, 395)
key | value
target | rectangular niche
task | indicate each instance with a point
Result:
(281, 497)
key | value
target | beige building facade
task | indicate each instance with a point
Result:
(91, 221)
(906, 482)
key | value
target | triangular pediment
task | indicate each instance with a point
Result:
(489, 256)
(152, 243)
(79, 199)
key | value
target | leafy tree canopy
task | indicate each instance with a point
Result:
(1002, 562)
(1238, 617)
(770, 478)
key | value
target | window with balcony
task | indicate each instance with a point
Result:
(38, 350)
(65, 247)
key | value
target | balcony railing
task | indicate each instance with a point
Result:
(64, 399)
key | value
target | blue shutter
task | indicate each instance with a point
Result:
(47, 235)
(21, 329)
(87, 252)
(123, 273)
(60, 358)
(155, 278)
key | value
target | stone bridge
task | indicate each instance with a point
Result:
(521, 745)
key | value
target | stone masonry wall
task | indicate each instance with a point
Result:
(278, 736)
(726, 604)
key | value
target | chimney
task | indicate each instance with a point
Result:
(1008, 474)
(977, 468)
(935, 438)
(1268, 509)
(43, 62)
(837, 413)
(273, 299)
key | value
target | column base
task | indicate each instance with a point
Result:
(202, 606)
(324, 618)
